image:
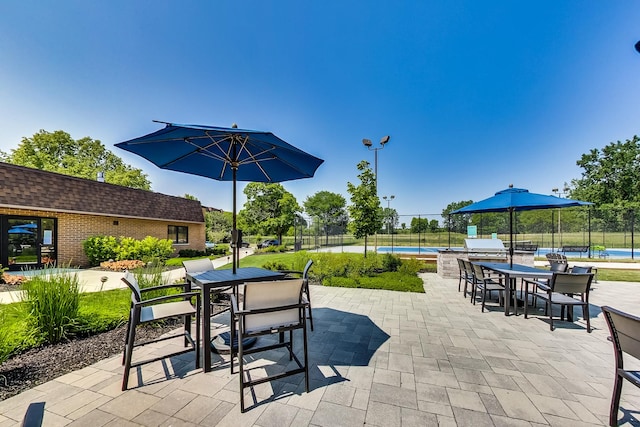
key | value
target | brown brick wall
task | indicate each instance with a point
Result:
(74, 228)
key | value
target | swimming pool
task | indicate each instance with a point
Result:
(615, 253)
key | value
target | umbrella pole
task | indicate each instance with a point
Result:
(234, 233)
(510, 237)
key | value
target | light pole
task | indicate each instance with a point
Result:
(389, 219)
(367, 143)
(565, 190)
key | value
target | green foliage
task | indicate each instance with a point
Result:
(53, 301)
(365, 211)
(275, 266)
(104, 248)
(393, 281)
(5, 350)
(218, 225)
(413, 266)
(458, 222)
(270, 209)
(611, 176)
(390, 262)
(273, 249)
(100, 248)
(84, 158)
(329, 211)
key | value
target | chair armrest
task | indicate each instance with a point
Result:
(169, 297)
(286, 272)
(166, 286)
(271, 309)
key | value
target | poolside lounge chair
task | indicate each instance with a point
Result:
(625, 336)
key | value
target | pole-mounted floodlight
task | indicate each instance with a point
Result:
(367, 143)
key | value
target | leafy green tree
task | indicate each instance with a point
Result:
(390, 218)
(270, 209)
(365, 210)
(83, 158)
(218, 225)
(611, 176)
(419, 225)
(329, 209)
(458, 222)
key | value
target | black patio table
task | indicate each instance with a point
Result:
(511, 273)
(211, 280)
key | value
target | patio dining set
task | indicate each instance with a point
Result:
(559, 285)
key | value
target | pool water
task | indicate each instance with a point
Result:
(612, 253)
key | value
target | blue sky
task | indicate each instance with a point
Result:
(476, 95)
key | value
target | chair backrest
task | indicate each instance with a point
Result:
(625, 330)
(272, 295)
(556, 257)
(571, 283)
(305, 272)
(478, 271)
(577, 269)
(132, 283)
(468, 267)
(461, 266)
(558, 266)
(197, 265)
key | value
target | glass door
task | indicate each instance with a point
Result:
(28, 242)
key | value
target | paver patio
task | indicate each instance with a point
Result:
(378, 358)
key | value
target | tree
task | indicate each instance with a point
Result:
(390, 217)
(218, 225)
(270, 209)
(458, 222)
(84, 158)
(329, 209)
(611, 176)
(365, 210)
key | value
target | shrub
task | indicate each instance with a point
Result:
(275, 266)
(390, 262)
(191, 253)
(5, 349)
(52, 301)
(105, 248)
(100, 248)
(410, 266)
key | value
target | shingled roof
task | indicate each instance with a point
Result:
(27, 188)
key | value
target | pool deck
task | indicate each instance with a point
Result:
(378, 358)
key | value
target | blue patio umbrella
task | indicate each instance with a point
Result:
(224, 154)
(514, 200)
(19, 230)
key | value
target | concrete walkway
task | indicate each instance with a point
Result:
(378, 358)
(90, 280)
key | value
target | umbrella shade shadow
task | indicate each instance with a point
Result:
(340, 340)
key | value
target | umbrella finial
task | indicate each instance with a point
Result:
(234, 126)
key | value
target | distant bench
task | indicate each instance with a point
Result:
(576, 249)
(526, 247)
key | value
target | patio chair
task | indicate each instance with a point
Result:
(543, 284)
(34, 416)
(270, 307)
(579, 269)
(556, 257)
(462, 272)
(305, 285)
(625, 335)
(560, 287)
(159, 308)
(485, 283)
(469, 278)
(201, 265)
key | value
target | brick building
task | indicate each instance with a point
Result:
(45, 216)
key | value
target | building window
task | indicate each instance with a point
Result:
(178, 234)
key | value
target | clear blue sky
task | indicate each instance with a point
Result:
(476, 95)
